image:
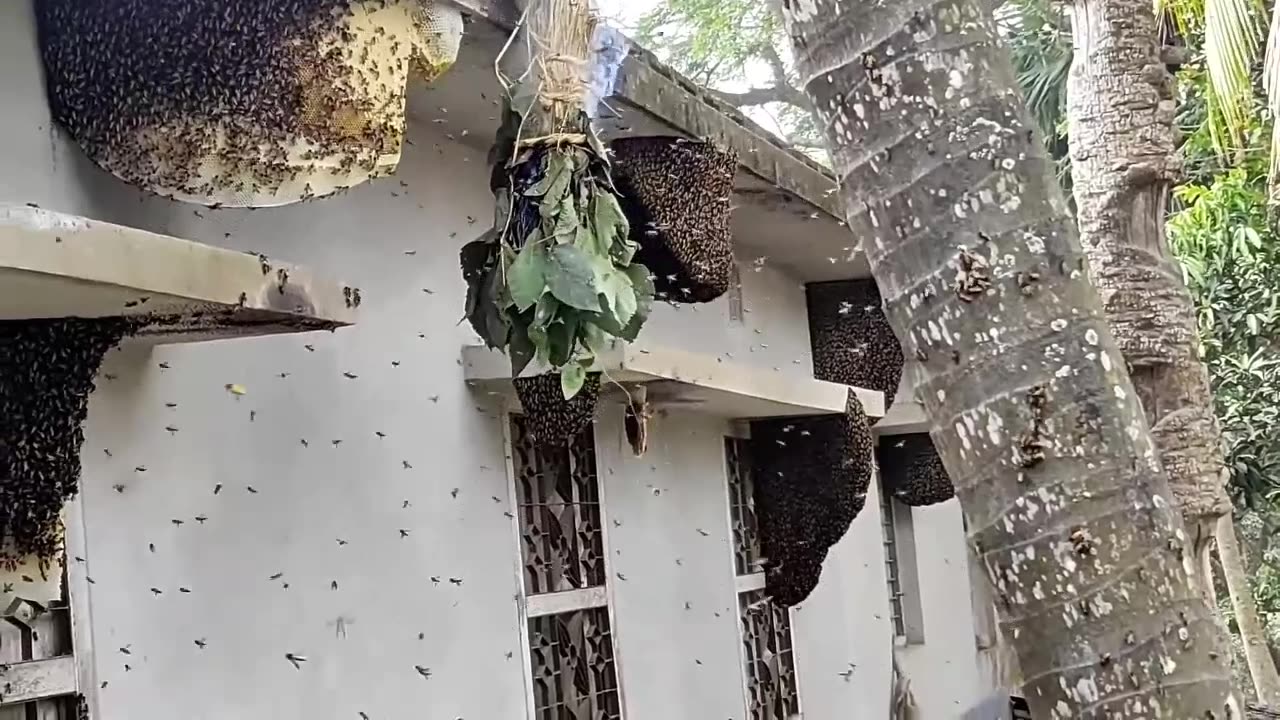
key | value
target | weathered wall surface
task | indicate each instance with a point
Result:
(270, 523)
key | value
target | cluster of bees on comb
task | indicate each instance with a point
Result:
(811, 480)
(46, 374)
(550, 418)
(853, 343)
(240, 103)
(913, 472)
(677, 194)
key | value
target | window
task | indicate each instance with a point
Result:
(769, 670)
(898, 527)
(572, 672)
(891, 569)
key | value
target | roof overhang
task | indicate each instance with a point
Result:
(56, 265)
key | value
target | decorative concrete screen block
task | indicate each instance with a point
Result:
(47, 369)
(912, 472)
(811, 478)
(550, 418)
(676, 194)
(852, 341)
(241, 103)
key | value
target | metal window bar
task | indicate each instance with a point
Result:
(574, 673)
(558, 504)
(742, 512)
(769, 658)
(892, 572)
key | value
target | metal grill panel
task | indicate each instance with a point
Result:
(558, 498)
(574, 675)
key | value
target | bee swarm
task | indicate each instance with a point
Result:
(912, 471)
(240, 103)
(812, 476)
(46, 374)
(552, 419)
(676, 193)
(852, 341)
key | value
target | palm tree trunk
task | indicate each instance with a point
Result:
(1120, 114)
(947, 187)
(1266, 681)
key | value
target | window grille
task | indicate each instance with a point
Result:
(574, 677)
(770, 660)
(572, 671)
(769, 671)
(892, 565)
(559, 510)
(746, 533)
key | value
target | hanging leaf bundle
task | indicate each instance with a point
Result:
(555, 278)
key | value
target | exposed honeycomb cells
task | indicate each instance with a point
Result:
(46, 374)
(853, 343)
(811, 479)
(912, 472)
(677, 193)
(551, 419)
(241, 102)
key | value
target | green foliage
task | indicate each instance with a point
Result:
(1038, 33)
(1226, 240)
(554, 280)
(712, 41)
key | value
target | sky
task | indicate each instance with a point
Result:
(624, 15)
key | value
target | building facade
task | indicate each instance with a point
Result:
(349, 524)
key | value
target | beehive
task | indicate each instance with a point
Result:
(853, 343)
(238, 103)
(677, 193)
(912, 471)
(46, 374)
(550, 418)
(812, 476)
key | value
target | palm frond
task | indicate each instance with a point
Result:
(1271, 84)
(1232, 35)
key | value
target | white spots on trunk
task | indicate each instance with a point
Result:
(1008, 163)
(1120, 393)
(1035, 243)
(1063, 371)
(1037, 592)
(1061, 710)
(1086, 690)
(1166, 663)
(1091, 336)
(1059, 324)
(942, 395)
(964, 439)
(994, 425)
(1105, 359)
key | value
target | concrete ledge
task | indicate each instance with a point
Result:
(58, 265)
(702, 383)
(38, 679)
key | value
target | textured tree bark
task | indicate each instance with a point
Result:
(1256, 651)
(1120, 114)
(948, 188)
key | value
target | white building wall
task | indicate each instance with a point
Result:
(330, 509)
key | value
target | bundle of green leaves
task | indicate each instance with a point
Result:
(554, 279)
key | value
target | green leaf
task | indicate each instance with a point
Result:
(521, 349)
(572, 377)
(555, 177)
(562, 336)
(610, 225)
(572, 278)
(527, 276)
(543, 317)
(621, 296)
